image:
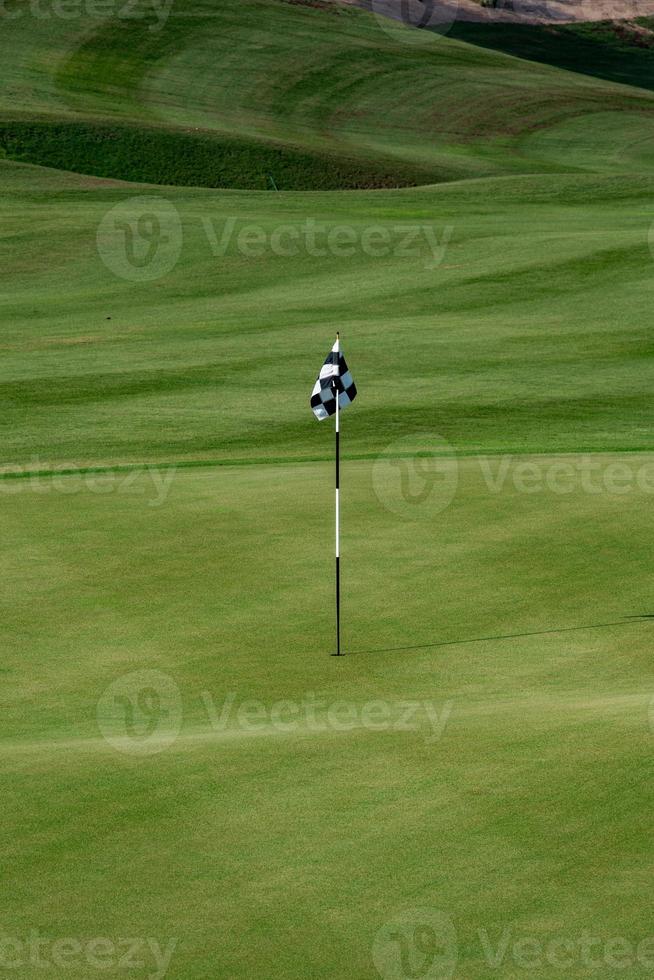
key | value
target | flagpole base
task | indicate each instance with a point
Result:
(337, 654)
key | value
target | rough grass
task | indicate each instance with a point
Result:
(322, 99)
(619, 52)
(173, 156)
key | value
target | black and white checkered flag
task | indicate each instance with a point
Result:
(334, 376)
(333, 391)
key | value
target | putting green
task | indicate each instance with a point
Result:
(184, 765)
(276, 838)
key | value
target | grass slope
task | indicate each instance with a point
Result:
(164, 155)
(269, 86)
(527, 331)
(619, 52)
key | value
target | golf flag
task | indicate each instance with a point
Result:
(333, 391)
(334, 376)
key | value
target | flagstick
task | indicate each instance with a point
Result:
(338, 527)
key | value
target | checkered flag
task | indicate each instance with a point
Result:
(334, 376)
(333, 391)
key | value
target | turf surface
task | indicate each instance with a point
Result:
(301, 92)
(167, 509)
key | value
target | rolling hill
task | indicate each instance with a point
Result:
(314, 98)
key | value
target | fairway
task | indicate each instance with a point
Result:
(192, 786)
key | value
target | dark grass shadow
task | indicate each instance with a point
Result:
(625, 621)
(601, 50)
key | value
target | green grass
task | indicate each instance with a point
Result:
(284, 853)
(322, 98)
(167, 497)
(160, 156)
(604, 49)
(493, 348)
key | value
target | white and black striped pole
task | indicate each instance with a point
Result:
(338, 509)
(334, 390)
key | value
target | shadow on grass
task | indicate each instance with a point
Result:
(625, 621)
